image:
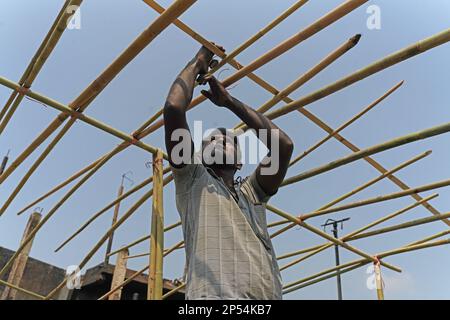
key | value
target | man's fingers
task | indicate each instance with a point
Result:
(214, 83)
(206, 93)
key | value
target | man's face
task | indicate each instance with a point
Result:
(220, 148)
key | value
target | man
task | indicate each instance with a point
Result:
(229, 254)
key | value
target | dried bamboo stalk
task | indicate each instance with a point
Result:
(173, 291)
(346, 124)
(136, 274)
(30, 293)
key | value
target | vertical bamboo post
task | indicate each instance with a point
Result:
(120, 272)
(114, 220)
(18, 268)
(378, 280)
(155, 287)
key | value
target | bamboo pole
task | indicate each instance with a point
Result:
(105, 209)
(257, 36)
(320, 24)
(396, 227)
(155, 279)
(412, 137)
(361, 262)
(330, 238)
(114, 219)
(357, 189)
(120, 272)
(378, 280)
(321, 247)
(346, 124)
(144, 238)
(18, 267)
(136, 274)
(173, 291)
(45, 49)
(4, 162)
(59, 186)
(390, 196)
(97, 86)
(435, 236)
(119, 222)
(165, 252)
(394, 58)
(308, 75)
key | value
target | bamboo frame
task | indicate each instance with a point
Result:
(37, 62)
(97, 86)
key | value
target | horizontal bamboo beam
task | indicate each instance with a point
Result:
(346, 124)
(330, 238)
(391, 196)
(412, 137)
(389, 61)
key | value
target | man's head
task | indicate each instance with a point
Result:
(221, 148)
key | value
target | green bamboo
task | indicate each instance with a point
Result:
(412, 137)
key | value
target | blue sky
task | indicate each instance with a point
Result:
(107, 27)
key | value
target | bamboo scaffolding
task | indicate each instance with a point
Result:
(303, 111)
(258, 36)
(320, 24)
(435, 236)
(316, 249)
(330, 238)
(412, 137)
(391, 196)
(114, 219)
(378, 281)
(165, 252)
(144, 238)
(119, 222)
(359, 263)
(356, 190)
(40, 57)
(97, 86)
(105, 209)
(346, 124)
(120, 271)
(308, 75)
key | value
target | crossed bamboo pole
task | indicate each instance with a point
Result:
(97, 86)
(37, 62)
(346, 267)
(316, 249)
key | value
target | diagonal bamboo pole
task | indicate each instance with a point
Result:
(345, 125)
(394, 58)
(97, 86)
(303, 111)
(308, 75)
(40, 57)
(412, 137)
(105, 209)
(391, 196)
(361, 262)
(257, 36)
(173, 291)
(357, 189)
(144, 238)
(30, 293)
(432, 237)
(118, 287)
(330, 238)
(316, 249)
(119, 222)
(165, 253)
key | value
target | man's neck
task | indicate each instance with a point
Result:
(226, 173)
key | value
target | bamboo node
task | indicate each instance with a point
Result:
(22, 90)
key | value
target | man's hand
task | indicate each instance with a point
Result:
(217, 93)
